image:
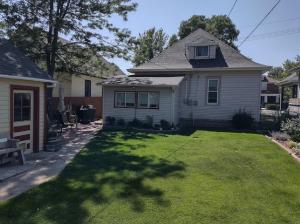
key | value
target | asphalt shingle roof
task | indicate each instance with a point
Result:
(174, 58)
(14, 63)
(292, 79)
(143, 81)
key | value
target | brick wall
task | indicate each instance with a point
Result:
(79, 101)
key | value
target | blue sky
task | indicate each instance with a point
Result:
(271, 49)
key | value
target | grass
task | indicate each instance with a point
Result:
(133, 177)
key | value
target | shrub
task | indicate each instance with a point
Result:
(156, 126)
(292, 127)
(242, 120)
(110, 120)
(281, 136)
(272, 106)
(135, 123)
(292, 145)
(149, 121)
(121, 122)
(165, 125)
(295, 147)
(296, 137)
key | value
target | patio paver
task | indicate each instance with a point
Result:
(43, 166)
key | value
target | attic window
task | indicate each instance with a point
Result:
(201, 51)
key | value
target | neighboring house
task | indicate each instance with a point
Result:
(293, 82)
(199, 79)
(81, 87)
(269, 91)
(22, 98)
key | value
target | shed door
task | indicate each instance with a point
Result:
(23, 118)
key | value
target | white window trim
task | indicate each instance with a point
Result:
(125, 102)
(138, 101)
(157, 107)
(148, 100)
(201, 57)
(217, 91)
(116, 101)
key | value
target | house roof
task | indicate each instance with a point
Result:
(174, 57)
(143, 81)
(14, 64)
(291, 79)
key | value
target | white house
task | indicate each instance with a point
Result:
(199, 79)
(293, 82)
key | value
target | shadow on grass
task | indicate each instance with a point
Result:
(104, 172)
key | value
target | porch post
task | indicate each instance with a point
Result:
(298, 89)
(280, 98)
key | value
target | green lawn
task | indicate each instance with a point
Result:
(202, 177)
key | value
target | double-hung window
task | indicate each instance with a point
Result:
(125, 99)
(148, 100)
(213, 91)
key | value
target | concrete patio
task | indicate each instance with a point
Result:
(41, 167)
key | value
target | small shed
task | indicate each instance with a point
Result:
(23, 98)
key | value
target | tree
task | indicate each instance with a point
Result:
(83, 22)
(173, 39)
(188, 26)
(223, 28)
(282, 72)
(148, 45)
(220, 26)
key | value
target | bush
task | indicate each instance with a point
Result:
(110, 120)
(295, 147)
(296, 137)
(292, 127)
(135, 123)
(149, 121)
(121, 122)
(242, 120)
(272, 106)
(165, 125)
(148, 124)
(156, 126)
(280, 136)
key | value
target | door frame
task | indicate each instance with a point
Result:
(36, 112)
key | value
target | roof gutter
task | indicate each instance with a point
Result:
(134, 70)
(27, 79)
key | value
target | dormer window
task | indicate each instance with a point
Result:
(201, 51)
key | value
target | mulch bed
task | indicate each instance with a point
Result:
(284, 145)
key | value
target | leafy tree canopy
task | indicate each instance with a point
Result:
(220, 26)
(85, 23)
(148, 45)
(282, 72)
(173, 39)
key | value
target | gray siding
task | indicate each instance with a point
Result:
(237, 91)
(128, 114)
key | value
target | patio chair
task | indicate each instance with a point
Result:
(9, 150)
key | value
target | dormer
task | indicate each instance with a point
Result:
(201, 51)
